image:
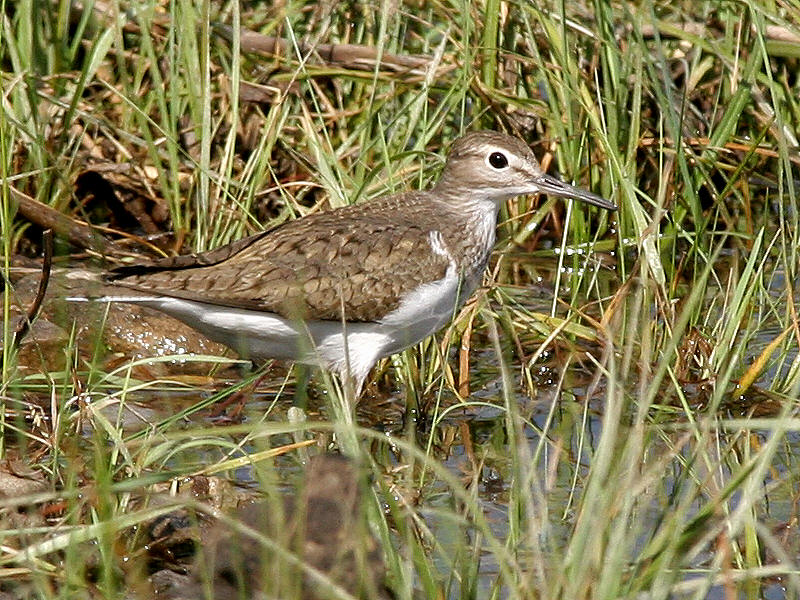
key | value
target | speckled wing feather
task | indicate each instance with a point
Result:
(359, 259)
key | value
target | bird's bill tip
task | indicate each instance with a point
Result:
(548, 184)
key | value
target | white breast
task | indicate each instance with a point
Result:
(426, 309)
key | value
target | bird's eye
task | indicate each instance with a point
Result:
(498, 160)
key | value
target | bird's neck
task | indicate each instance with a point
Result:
(466, 199)
(470, 231)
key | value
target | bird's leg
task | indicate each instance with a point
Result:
(351, 383)
(302, 374)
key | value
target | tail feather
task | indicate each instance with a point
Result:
(115, 298)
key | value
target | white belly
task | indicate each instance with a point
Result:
(346, 348)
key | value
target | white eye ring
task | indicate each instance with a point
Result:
(497, 160)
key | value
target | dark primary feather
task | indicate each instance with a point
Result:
(366, 260)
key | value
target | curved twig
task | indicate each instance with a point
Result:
(47, 264)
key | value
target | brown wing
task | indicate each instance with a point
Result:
(361, 259)
(186, 261)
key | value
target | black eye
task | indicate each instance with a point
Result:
(498, 160)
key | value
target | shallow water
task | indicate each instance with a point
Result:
(560, 426)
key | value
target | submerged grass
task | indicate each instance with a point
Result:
(634, 433)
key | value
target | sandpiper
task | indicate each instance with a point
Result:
(344, 288)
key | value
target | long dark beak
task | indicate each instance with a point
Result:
(548, 184)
